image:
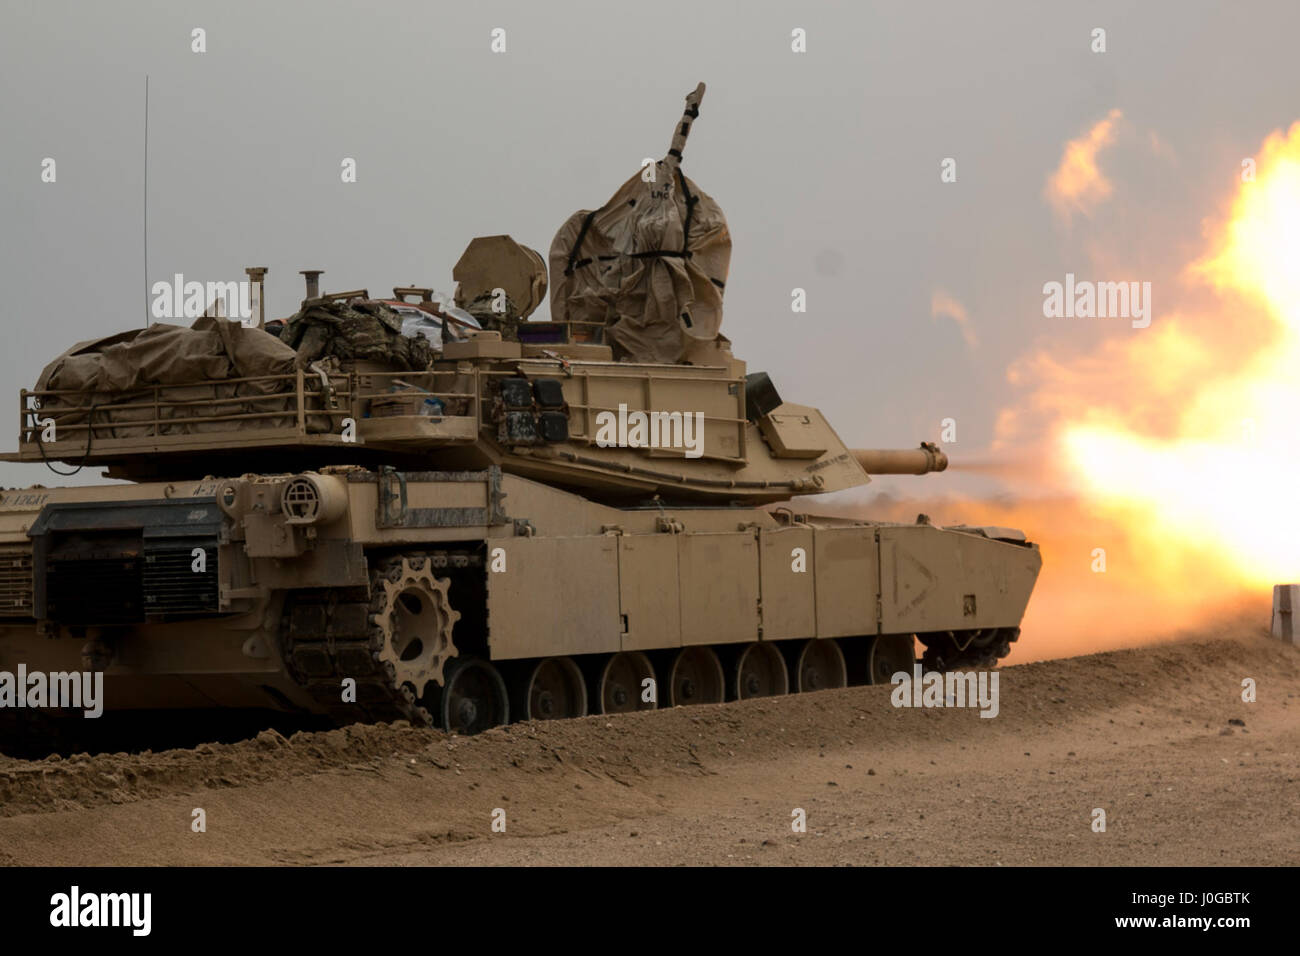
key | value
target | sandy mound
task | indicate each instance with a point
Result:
(1148, 734)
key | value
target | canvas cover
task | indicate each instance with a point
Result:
(115, 375)
(651, 264)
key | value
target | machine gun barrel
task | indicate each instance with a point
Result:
(902, 461)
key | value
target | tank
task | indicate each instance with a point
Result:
(530, 521)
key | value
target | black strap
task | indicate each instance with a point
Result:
(577, 244)
(690, 212)
(659, 253)
(684, 253)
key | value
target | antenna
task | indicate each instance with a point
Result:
(146, 200)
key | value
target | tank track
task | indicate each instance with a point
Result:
(979, 651)
(328, 639)
(330, 635)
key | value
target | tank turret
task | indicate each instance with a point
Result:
(562, 412)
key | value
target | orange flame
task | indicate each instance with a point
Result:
(1147, 592)
(1173, 449)
(1078, 184)
(1216, 475)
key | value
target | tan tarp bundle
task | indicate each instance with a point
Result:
(650, 264)
(119, 371)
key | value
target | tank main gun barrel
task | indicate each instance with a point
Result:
(902, 461)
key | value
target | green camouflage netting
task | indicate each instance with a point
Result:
(356, 329)
(483, 308)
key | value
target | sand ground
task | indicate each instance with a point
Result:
(1159, 737)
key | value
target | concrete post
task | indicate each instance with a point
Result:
(1286, 605)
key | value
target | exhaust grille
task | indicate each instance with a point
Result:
(94, 581)
(125, 562)
(172, 586)
(15, 581)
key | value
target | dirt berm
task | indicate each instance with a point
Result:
(1159, 738)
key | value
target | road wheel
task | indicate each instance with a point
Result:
(554, 689)
(759, 672)
(890, 653)
(474, 698)
(696, 677)
(619, 684)
(820, 666)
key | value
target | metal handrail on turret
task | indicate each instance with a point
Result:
(302, 407)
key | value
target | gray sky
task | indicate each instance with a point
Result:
(826, 164)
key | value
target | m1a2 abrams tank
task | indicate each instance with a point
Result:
(592, 517)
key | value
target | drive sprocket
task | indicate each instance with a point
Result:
(412, 617)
